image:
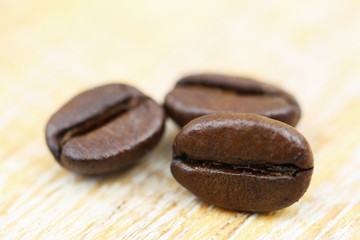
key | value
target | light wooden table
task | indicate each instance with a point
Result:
(51, 50)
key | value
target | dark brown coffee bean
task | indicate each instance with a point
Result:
(104, 129)
(204, 94)
(243, 161)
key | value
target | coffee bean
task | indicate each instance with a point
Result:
(204, 94)
(242, 161)
(104, 129)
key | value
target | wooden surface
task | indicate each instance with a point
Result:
(52, 50)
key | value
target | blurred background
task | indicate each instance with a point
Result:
(159, 41)
(52, 50)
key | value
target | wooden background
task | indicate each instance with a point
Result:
(52, 50)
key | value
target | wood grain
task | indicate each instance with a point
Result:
(49, 51)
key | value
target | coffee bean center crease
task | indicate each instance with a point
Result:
(105, 116)
(231, 90)
(241, 92)
(254, 169)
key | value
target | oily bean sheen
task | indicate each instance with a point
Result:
(204, 94)
(243, 162)
(104, 129)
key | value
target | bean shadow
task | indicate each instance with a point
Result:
(286, 213)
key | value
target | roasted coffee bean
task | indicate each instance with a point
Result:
(104, 129)
(204, 94)
(243, 162)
